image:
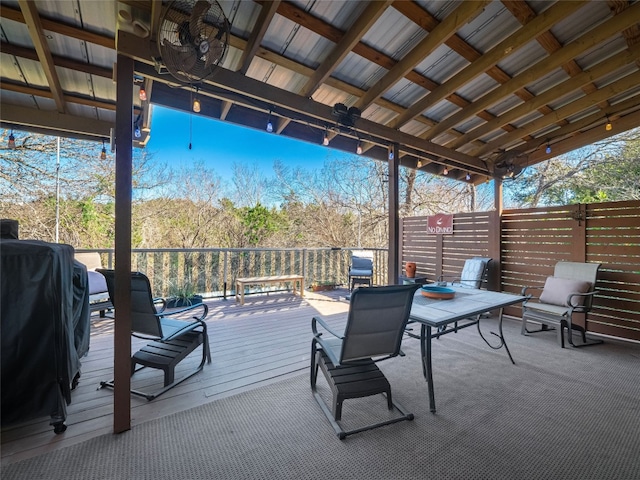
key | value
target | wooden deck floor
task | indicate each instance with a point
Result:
(262, 341)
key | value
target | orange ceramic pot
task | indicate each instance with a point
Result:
(410, 269)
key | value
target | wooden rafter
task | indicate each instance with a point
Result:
(508, 46)
(590, 39)
(465, 12)
(267, 13)
(349, 40)
(32, 20)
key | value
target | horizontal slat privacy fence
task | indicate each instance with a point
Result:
(527, 243)
(533, 240)
(212, 271)
(437, 255)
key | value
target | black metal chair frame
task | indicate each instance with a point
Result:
(171, 339)
(347, 361)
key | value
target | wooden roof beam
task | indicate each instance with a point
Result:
(34, 25)
(465, 12)
(573, 108)
(588, 76)
(267, 12)
(588, 40)
(348, 41)
(507, 47)
(61, 28)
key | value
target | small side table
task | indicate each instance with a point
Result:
(409, 280)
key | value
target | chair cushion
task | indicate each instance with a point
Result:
(556, 290)
(472, 272)
(97, 282)
(354, 272)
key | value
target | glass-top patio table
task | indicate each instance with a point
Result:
(464, 310)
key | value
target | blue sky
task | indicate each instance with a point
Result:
(220, 144)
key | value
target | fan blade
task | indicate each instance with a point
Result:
(185, 56)
(197, 17)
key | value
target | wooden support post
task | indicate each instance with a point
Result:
(122, 336)
(394, 222)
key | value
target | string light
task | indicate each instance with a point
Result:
(195, 105)
(12, 140)
(608, 126)
(325, 138)
(445, 171)
(468, 177)
(143, 94)
(103, 153)
(548, 149)
(359, 149)
(390, 154)
(136, 132)
(269, 124)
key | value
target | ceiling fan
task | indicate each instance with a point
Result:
(193, 37)
(509, 164)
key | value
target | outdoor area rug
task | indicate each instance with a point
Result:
(556, 414)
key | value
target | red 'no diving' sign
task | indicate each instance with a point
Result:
(440, 223)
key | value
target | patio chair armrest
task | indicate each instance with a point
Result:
(319, 320)
(203, 305)
(579, 308)
(535, 287)
(160, 301)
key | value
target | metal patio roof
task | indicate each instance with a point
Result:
(457, 86)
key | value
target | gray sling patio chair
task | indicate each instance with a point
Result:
(171, 339)
(568, 292)
(375, 325)
(474, 273)
(361, 269)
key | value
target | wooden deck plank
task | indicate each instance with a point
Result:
(264, 340)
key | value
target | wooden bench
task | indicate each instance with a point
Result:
(242, 282)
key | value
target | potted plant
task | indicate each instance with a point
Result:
(183, 295)
(322, 286)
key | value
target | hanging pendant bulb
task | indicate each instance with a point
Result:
(468, 177)
(12, 140)
(196, 105)
(390, 155)
(359, 149)
(103, 153)
(445, 171)
(548, 149)
(325, 138)
(143, 94)
(269, 124)
(136, 132)
(608, 125)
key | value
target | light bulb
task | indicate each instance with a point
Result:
(390, 154)
(143, 94)
(269, 126)
(137, 133)
(548, 149)
(12, 141)
(445, 171)
(103, 153)
(359, 149)
(608, 126)
(325, 140)
(468, 177)
(196, 105)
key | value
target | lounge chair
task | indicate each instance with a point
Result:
(375, 326)
(171, 339)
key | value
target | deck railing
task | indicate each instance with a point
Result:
(212, 271)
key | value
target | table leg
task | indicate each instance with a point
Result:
(425, 342)
(503, 342)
